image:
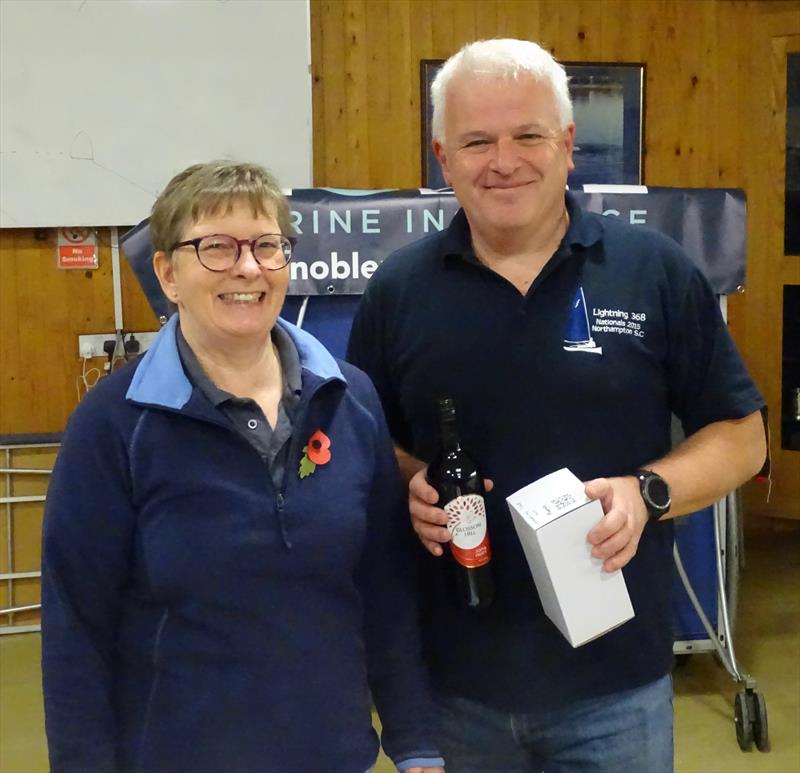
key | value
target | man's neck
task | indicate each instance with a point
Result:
(520, 256)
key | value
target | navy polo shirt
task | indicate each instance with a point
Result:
(618, 331)
(245, 414)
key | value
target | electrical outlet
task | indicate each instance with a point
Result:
(92, 345)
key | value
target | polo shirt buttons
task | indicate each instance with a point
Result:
(252, 423)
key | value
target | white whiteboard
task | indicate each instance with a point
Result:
(103, 101)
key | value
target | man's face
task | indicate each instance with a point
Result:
(504, 153)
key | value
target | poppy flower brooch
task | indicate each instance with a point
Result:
(316, 451)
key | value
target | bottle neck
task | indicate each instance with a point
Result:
(449, 433)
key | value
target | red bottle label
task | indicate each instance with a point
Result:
(469, 542)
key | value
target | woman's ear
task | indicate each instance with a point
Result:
(165, 271)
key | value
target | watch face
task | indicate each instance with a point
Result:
(658, 492)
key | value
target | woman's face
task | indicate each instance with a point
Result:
(226, 308)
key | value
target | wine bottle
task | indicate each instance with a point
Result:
(461, 494)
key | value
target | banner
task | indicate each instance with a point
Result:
(344, 235)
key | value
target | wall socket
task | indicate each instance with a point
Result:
(92, 345)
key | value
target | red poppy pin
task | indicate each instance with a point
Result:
(316, 451)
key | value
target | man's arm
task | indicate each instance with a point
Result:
(705, 467)
(712, 462)
(409, 465)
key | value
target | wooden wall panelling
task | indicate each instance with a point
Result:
(667, 145)
(378, 88)
(421, 47)
(330, 139)
(578, 35)
(42, 311)
(464, 27)
(10, 344)
(486, 18)
(619, 43)
(51, 307)
(356, 64)
(442, 26)
(733, 56)
(317, 93)
(698, 95)
(518, 18)
(403, 97)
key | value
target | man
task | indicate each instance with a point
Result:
(483, 313)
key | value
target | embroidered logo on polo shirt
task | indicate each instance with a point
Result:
(578, 337)
(580, 332)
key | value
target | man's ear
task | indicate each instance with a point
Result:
(165, 272)
(441, 157)
(569, 144)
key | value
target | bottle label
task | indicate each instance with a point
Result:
(469, 542)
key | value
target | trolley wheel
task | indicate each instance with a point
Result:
(760, 726)
(744, 721)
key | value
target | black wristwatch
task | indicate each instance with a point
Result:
(655, 493)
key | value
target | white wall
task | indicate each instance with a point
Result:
(102, 101)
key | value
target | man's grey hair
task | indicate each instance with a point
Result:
(507, 58)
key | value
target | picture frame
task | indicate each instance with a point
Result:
(609, 110)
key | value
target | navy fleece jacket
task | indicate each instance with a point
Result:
(196, 619)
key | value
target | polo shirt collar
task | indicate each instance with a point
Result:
(287, 354)
(160, 379)
(582, 231)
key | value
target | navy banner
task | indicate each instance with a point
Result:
(343, 235)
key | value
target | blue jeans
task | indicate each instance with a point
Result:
(629, 731)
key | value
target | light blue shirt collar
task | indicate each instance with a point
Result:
(160, 380)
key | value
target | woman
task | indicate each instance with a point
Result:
(226, 561)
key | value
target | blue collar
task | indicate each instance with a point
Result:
(160, 379)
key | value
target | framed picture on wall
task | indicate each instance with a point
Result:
(608, 105)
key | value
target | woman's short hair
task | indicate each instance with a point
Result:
(212, 188)
(502, 57)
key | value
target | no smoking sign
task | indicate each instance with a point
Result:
(77, 248)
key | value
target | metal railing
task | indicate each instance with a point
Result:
(8, 500)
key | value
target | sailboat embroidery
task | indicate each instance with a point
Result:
(579, 337)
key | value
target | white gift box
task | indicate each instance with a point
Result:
(552, 517)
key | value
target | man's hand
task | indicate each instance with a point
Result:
(616, 538)
(424, 770)
(429, 521)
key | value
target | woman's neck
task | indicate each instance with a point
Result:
(246, 369)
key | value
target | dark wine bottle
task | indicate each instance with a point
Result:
(461, 494)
